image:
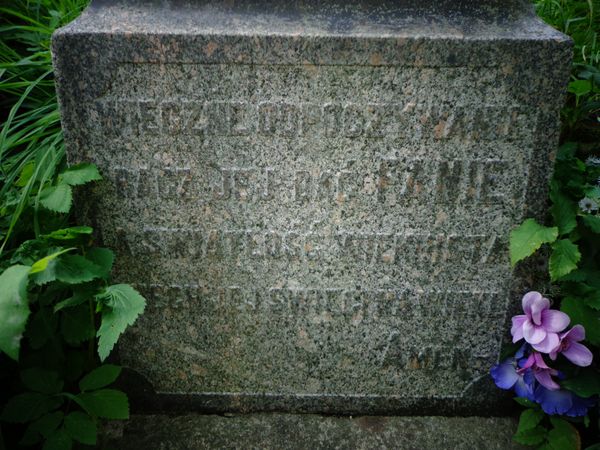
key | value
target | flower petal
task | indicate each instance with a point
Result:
(504, 374)
(537, 308)
(555, 321)
(517, 327)
(524, 387)
(580, 406)
(554, 402)
(548, 344)
(532, 333)
(545, 379)
(575, 334)
(578, 354)
(528, 300)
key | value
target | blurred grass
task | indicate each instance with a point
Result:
(580, 19)
(31, 142)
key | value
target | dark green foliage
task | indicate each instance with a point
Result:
(55, 291)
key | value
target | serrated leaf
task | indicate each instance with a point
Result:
(103, 258)
(100, 377)
(14, 308)
(46, 424)
(42, 264)
(123, 305)
(76, 325)
(81, 428)
(592, 222)
(57, 198)
(529, 237)
(564, 211)
(80, 174)
(29, 406)
(529, 419)
(563, 436)
(45, 276)
(41, 380)
(564, 258)
(535, 436)
(582, 314)
(585, 384)
(75, 269)
(59, 440)
(106, 403)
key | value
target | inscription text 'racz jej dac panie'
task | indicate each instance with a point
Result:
(315, 199)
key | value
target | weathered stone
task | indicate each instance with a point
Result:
(315, 197)
(307, 431)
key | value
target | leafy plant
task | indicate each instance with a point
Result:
(573, 238)
(60, 317)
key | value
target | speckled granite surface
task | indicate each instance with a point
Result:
(315, 198)
(296, 431)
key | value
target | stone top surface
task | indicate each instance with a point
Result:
(488, 19)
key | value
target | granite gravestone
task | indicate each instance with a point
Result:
(315, 197)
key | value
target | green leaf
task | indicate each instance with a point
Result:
(529, 419)
(60, 440)
(529, 237)
(76, 324)
(57, 198)
(75, 269)
(567, 151)
(582, 314)
(586, 384)
(100, 377)
(80, 174)
(81, 294)
(563, 436)
(14, 309)
(26, 174)
(41, 380)
(66, 234)
(123, 305)
(564, 258)
(534, 436)
(81, 428)
(592, 222)
(46, 276)
(526, 403)
(42, 264)
(46, 424)
(564, 211)
(103, 258)
(106, 403)
(580, 87)
(29, 406)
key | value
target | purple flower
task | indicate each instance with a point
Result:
(539, 325)
(507, 376)
(562, 402)
(570, 347)
(542, 373)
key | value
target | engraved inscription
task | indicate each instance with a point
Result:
(452, 182)
(411, 120)
(373, 248)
